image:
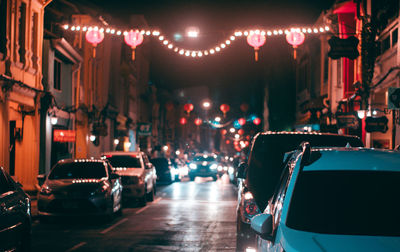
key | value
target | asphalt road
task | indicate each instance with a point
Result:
(185, 216)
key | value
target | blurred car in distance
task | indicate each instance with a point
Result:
(15, 215)
(165, 174)
(81, 187)
(203, 165)
(327, 200)
(138, 175)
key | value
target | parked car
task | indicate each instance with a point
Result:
(164, 170)
(137, 173)
(80, 187)
(15, 215)
(263, 171)
(334, 199)
(203, 165)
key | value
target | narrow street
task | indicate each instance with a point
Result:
(185, 216)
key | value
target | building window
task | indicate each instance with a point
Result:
(22, 32)
(35, 37)
(3, 26)
(57, 74)
(385, 44)
(394, 37)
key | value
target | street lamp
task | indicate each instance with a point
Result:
(232, 130)
(217, 119)
(192, 32)
(206, 105)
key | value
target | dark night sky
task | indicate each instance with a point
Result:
(232, 74)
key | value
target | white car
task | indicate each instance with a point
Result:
(138, 175)
(334, 199)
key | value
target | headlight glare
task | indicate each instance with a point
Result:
(213, 166)
(193, 166)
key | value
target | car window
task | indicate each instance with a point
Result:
(125, 161)
(78, 170)
(5, 184)
(279, 196)
(346, 202)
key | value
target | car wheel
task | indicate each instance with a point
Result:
(150, 195)
(177, 178)
(192, 178)
(215, 178)
(142, 200)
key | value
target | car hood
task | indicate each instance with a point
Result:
(67, 184)
(294, 240)
(137, 172)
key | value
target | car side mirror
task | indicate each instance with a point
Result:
(114, 176)
(241, 172)
(262, 225)
(41, 178)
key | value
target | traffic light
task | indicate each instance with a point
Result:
(343, 47)
(394, 98)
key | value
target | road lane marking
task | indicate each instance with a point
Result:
(76, 246)
(141, 210)
(157, 200)
(113, 226)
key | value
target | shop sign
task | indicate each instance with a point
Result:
(64, 136)
(144, 129)
(347, 120)
(376, 124)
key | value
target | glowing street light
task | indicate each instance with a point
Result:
(232, 130)
(192, 32)
(206, 105)
(217, 119)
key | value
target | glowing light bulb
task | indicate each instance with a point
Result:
(170, 46)
(156, 33)
(66, 27)
(228, 42)
(161, 38)
(275, 32)
(165, 42)
(217, 49)
(212, 51)
(73, 28)
(232, 38)
(269, 33)
(181, 52)
(148, 33)
(223, 45)
(326, 28)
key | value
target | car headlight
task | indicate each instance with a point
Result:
(213, 166)
(193, 166)
(45, 190)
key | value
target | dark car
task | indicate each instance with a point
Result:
(263, 169)
(203, 166)
(163, 169)
(15, 215)
(81, 187)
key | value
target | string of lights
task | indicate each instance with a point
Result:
(197, 53)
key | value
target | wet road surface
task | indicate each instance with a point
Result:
(185, 216)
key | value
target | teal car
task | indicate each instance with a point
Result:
(333, 199)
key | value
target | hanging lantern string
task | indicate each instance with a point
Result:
(199, 52)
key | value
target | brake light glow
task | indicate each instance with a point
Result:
(248, 196)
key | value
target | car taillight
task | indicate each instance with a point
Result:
(251, 209)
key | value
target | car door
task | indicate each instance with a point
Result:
(12, 216)
(276, 205)
(150, 173)
(115, 185)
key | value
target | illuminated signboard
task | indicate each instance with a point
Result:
(64, 136)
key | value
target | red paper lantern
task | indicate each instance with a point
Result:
(198, 121)
(255, 40)
(224, 131)
(183, 121)
(133, 39)
(295, 38)
(257, 121)
(228, 142)
(225, 108)
(241, 132)
(188, 107)
(244, 107)
(242, 121)
(94, 37)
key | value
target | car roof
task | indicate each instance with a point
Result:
(354, 159)
(304, 133)
(81, 160)
(121, 153)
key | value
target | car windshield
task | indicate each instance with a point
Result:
(346, 202)
(124, 161)
(203, 158)
(78, 170)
